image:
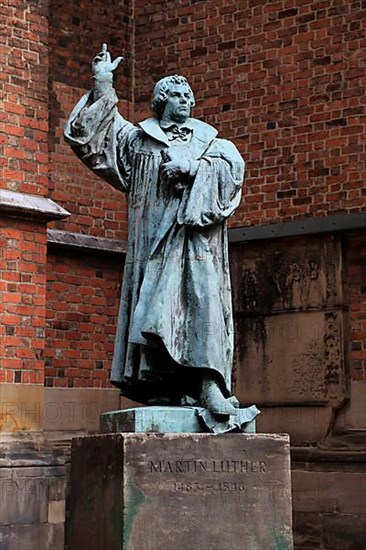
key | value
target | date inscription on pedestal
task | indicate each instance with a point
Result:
(215, 477)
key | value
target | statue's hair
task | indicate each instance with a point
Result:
(161, 88)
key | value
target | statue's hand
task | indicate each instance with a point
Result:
(174, 169)
(102, 64)
(177, 165)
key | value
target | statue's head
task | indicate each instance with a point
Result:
(172, 98)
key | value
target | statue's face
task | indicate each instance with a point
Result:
(178, 104)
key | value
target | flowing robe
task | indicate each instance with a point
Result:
(176, 296)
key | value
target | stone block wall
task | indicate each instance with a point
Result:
(328, 500)
(33, 491)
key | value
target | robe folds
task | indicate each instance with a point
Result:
(176, 293)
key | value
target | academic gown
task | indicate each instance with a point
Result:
(175, 313)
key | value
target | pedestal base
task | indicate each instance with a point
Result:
(180, 492)
(176, 420)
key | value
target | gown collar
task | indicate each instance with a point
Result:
(201, 130)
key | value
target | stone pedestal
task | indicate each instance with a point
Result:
(174, 420)
(180, 491)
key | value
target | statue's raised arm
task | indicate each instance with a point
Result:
(96, 131)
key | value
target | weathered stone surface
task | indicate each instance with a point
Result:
(77, 409)
(57, 488)
(4, 537)
(5, 473)
(31, 206)
(304, 424)
(307, 530)
(344, 531)
(328, 491)
(56, 511)
(353, 415)
(297, 228)
(85, 242)
(292, 358)
(287, 275)
(289, 310)
(20, 473)
(162, 491)
(35, 537)
(23, 500)
(151, 419)
(32, 491)
(21, 407)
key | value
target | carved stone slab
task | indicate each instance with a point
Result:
(290, 322)
(291, 358)
(180, 491)
(286, 275)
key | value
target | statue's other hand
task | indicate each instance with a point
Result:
(173, 169)
(103, 64)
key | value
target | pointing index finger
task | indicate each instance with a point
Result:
(104, 47)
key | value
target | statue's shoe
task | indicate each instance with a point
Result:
(212, 399)
(234, 401)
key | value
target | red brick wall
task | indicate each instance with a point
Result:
(284, 80)
(77, 30)
(82, 306)
(24, 107)
(82, 292)
(23, 168)
(23, 301)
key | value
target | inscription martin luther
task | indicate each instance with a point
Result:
(213, 466)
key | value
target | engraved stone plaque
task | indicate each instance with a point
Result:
(290, 322)
(180, 491)
(287, 275)
(291, 359)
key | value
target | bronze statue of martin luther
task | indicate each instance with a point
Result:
(175, 329)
